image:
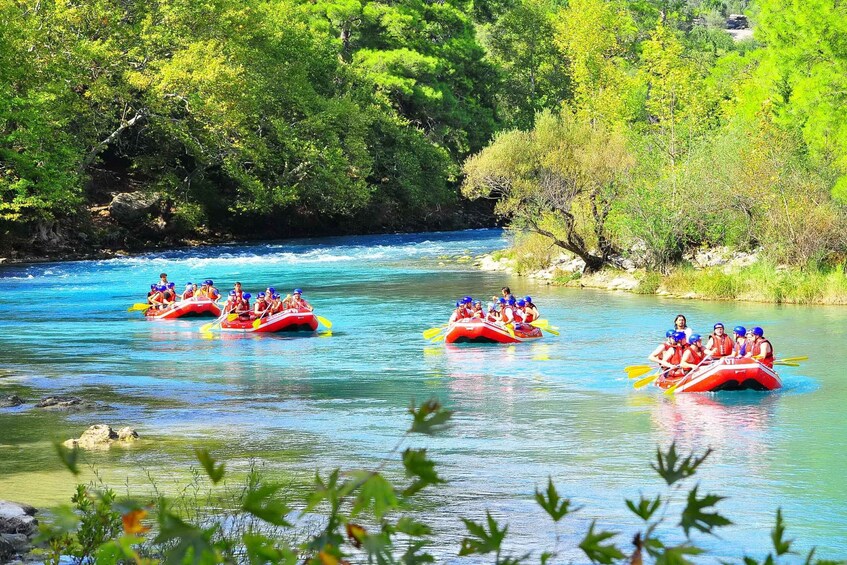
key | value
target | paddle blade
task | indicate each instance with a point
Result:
(510, 330)
(793, 359)
(205, 328)
(432, 332)
(550, 330)
(231, 317)
(672, 389)
(138, 306)
(257, 323)
(786, 363)
(327, 324)
(646, 380)
(639, 371)
(543, 324)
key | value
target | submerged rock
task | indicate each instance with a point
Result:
(10, 401)
(64, 403)
(102, 436)
(17, 527)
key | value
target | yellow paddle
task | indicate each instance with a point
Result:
(786, 363)
(672, 389)
(793, 359)
(205, 328)
(544, 325)
(648, 379)
(510, 330)
(327, 324)
(138, 306)
(636, 372)
(432, 332)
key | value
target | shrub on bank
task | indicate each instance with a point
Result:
(364, 517)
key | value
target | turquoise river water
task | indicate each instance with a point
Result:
(559, 407)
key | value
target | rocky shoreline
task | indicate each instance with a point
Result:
(568, 270)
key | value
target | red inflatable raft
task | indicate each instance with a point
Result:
(287, 321)
(727, 373)
(187, 308)
(482, 331)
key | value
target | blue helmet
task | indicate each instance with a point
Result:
(272, 290)
(501, 300)
(528, 299)
(297, 291)
(521, 302)
(467, 300)
(739, 330)
(757, 331)
(246, 296)
(511, 300)
(189, 285)
(717, 325)
(694, 338)
(261, 295)
(161, 288)
(276, 296)
(477, 302)
(458, 303)
(154, 286)
(171, 285)
(678, 336)
(232, 293)
(209, 282)
(669, 333)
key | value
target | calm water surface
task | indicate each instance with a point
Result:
(559, 407)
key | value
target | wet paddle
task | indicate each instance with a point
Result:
(327, 324)
(206, 328)
(432, 332)
(649, 379)
(635, 372)
(544, 325)
(138, 306)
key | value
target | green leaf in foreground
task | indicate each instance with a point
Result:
(646, 508)
(214, 473)
(555, 506)
(374, 492)
(430, 418)
(68, 457)
(693, 516)
(597, 552)
(666, 464)
(417, 465)
(780, 545)
(482, 541)
(261, 502)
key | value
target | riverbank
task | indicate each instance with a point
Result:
(710, 275)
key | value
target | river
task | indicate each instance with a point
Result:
(559, 407)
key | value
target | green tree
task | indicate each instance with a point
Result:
(560, 180)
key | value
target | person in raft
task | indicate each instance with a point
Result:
(297, 301)
(163, 279)
(531, 309)
(693, 355)
(154, 297)
(761, 349)
(659, 352)
(672, 356)
(680, 324)
(190, 290)
(720, 344)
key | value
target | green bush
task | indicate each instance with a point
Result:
(364, 518)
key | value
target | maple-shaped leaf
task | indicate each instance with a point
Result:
(554, 505)
(597, 552)
(693, 516)
(481, 541)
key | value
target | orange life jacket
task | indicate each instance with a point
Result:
(674, 359)
(694, 357)
(187, 294)
(757, 349)
(722, 346)
(528, 316)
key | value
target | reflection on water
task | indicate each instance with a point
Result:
(558, 407)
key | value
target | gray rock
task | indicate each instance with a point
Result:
(130, 208)
(61, 402)
(16, 518)
(10, 401)
(102, 436)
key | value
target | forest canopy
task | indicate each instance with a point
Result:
(634, 123)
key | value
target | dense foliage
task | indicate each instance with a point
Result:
(363, 516)
(710, 141)
(637, 124)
